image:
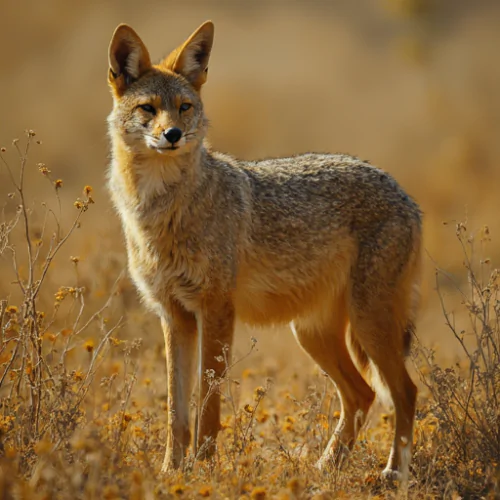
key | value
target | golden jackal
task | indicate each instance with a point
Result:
(322, 241)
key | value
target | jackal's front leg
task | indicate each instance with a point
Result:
(180, 330)
(216, 336)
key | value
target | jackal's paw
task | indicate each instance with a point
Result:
(170, 463)
(391, 475)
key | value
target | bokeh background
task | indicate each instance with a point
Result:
(410, 85)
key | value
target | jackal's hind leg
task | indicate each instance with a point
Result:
(324, 339)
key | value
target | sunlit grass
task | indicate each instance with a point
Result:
(83, 391)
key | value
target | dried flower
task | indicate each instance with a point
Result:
(259, 393)
(177, 489)
(61, 294)
(42, 168)
(263, 417)
(258, 493)
(89, 345)
(205, 491)
(49, 336)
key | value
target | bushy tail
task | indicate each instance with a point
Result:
(408, 334)
(363, 363)
(368, 369)
(407, 305)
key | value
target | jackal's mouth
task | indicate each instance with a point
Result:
(164, 147)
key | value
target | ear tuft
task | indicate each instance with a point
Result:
(191, 58)
(128, 58)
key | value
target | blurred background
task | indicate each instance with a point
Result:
(410, 85)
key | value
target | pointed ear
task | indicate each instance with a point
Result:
(191, 58)
(128, 59)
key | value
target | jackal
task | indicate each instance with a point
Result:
(325, 242)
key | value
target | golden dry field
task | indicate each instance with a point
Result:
(411, 85)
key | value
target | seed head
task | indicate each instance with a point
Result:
(259, 393)
(89, 345)
(248, 408)
(43, 168)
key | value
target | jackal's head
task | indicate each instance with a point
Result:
(157, 107)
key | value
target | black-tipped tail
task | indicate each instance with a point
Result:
(408, 337)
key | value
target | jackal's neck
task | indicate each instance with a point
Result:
(139, 180)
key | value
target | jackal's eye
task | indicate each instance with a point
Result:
(148, 108)
(185, 106)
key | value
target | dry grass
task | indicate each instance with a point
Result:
(83, 407)
(462, 413)
(409, 84)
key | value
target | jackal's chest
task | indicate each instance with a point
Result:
(165, 265)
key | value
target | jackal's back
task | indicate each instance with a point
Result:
(316, 221)
(313, 195)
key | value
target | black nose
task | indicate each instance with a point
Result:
(173, 134)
